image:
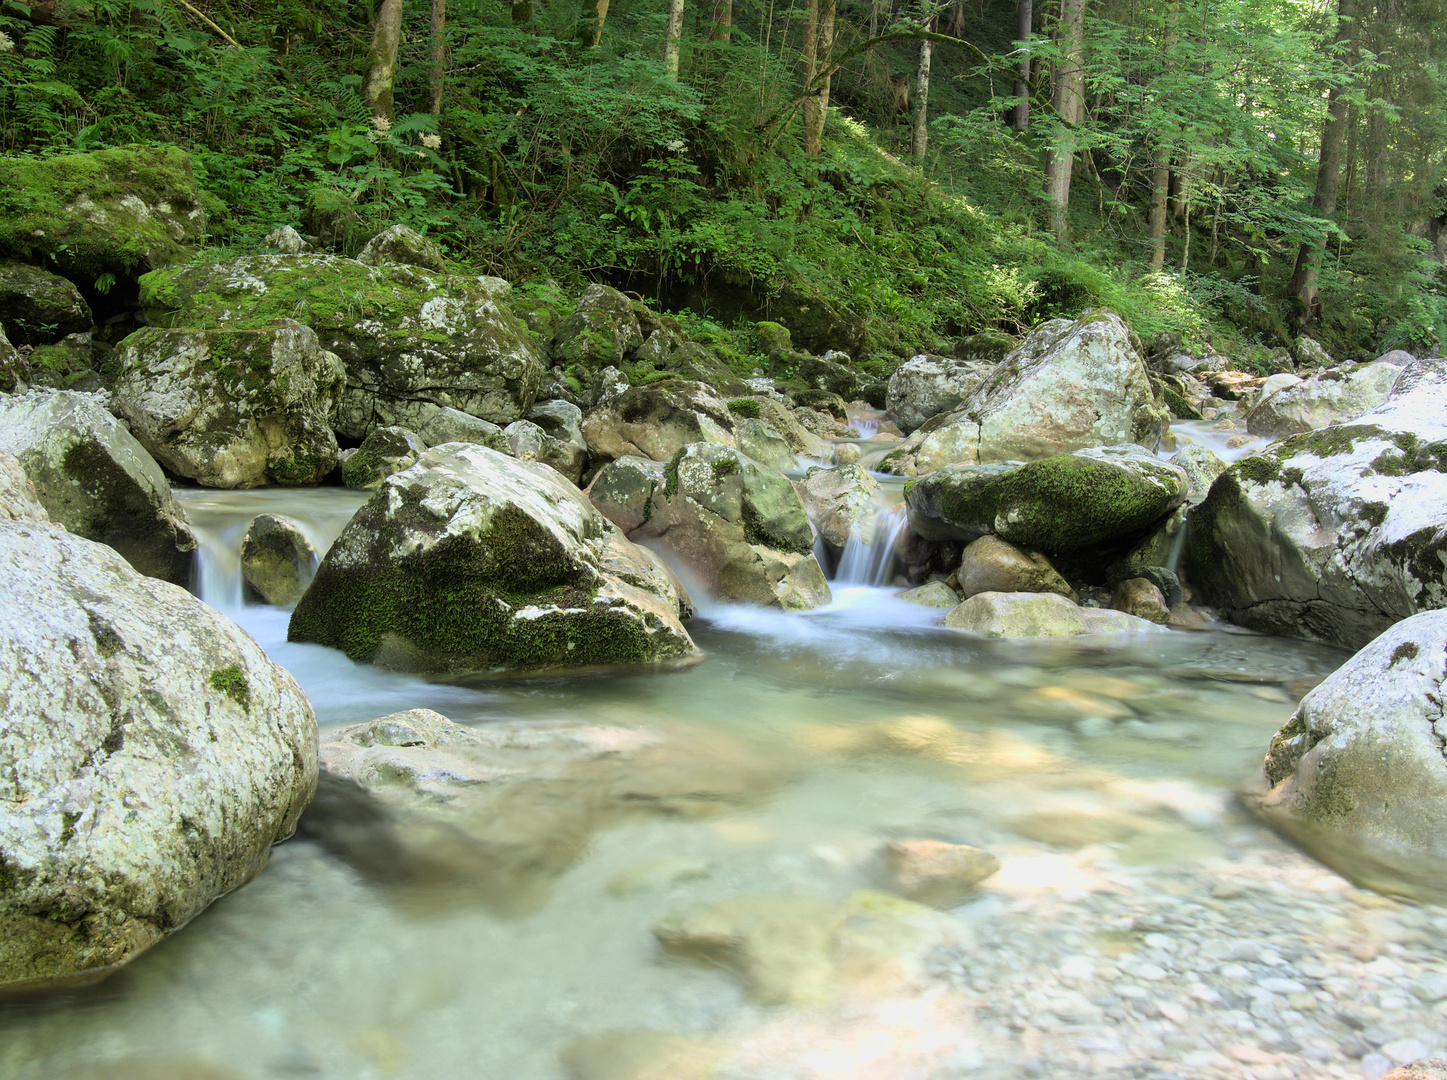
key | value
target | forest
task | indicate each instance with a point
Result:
(1225, 171)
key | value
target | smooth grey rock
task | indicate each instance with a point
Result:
(925, 386)
(1039, 615)
(151, 756)
(560, 419)
(528, 442)
(1334, 396)
(932, 594)
(277, 559)
(452, 425)
(990, 564)
(623, 489)
(840, 502)
(761, 441)
(286, 240)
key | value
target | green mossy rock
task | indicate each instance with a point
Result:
(411, 340)
(694, 361)
(657, 420)
(277, 559)
(472, 563)
(816, 323)
(830, 374)
(233, 408)
(401, 246)
(773, 337)
(38, 307)
(601, 331)
(124, 211)
(386, 450)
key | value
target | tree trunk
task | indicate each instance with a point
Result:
(827, 11)
(1160, 185)
(813, 118)
(672, 38)
(439, 53)
(1328, 177)
(721, 21)
(522, 11)
(920, 142)
(1025, 26)
(590, 25)
(1068, 100)
(382, 62)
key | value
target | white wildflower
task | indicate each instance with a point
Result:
(678, 146)
(432, 142)
(380, 126)
(6, 44)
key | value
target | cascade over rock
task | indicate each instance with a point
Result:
(471, 562)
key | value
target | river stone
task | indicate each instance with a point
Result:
(601, 330)
(403, 247)
(936, 873)
(698, 363)
(932, 594)
(762, 442)
(233, 409)
(14, 368)
(411, 340)
(1038, 615)
(286, 240)
(385, 451)
(846, 454)
(658, 420)
(471, 562)
(925, 386)
(990, 564)
(151, 756)
(1329, 397)
(560, 419)
(657, 347)
(1358, 774)
(94, 478)
(1140, 597)
(1309, 353)
(39, 308)
(640, 1055)
(623, 490)
(277, 559)
(1201, 465)
(528, 442)
(1334, 534)
(1069, 385)
(738, 528)
(122, 211)
(1423, 1069)
(830, 373)
(452, 425)
(840, 502)
(796, 950)
(801, 440)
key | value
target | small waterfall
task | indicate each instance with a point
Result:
(867, 429)
(1178, 545)
(870, 560)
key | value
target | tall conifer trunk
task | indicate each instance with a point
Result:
(1024, 27)
(1068, 99)
(920, 142)
(673, 38)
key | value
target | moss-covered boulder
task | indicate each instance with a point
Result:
(1061, 505)
(691, 360)
(773, 337)
(1070, 385)
(623, 490)
(1334, 396)
(822, 401)
(152, 755)
(657, 420)
(69, 364)
(740, 529)
(1358, 774)
(817, 323)
(1338, 533)
(762, 442)
(93, 477)
(38, 307)
(121, 212)
(386, 450)
(411, 340)
(402, 246)
(233, 408)
(925, 386)
(830, 373)
(277, 560)
(471, 563)
(601, 330)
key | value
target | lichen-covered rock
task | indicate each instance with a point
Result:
(1201, 466)
(601, 330)
(1069, 385)
(932, 594)
(18, 500)
(1358, 773)
(151, 756)
(1338, 533)
(1141, 597)
(623, 490)
(451, 425)
(657, 420)
(830, 373)
(1074, 502)
(740, 529)
(286, 240)
(471, 562)
(560, 419)
(1329, 397)
(528, 442)
(781, 418)
(412, 340)
(385, 451)
(94, 478)
(38, 307)
(14, 370)
(123, 211)
(762, 442)
(700, 364)
(277, 559)
(66, 365)
(990, 564)
(1309, 353)
(840, 502)
(925, 386)
(233, 408)
(1039, 615)
(404, 247)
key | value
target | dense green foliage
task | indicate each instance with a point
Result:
(552, 164)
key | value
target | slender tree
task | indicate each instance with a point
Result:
(1161, 173)
(1068, 101)
(1024, 27)
(382, 61)
(438, 72)
(590, 24)
(919, 142)
(813, 118)
(673, 37)
(721, 21)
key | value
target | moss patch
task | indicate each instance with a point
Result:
(231, 681)
(1070, 503)
(745, 407)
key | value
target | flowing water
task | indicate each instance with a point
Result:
(1141, 924)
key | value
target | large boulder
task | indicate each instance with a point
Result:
(1338, 533)
(412, 340)
(38, 307)
(1070, 385)
(1061, 505)
(658, 420)
(1358, 773)
(740, 529)
(526, 441)
(233, 408)
(277, 559)
(452, 425)
(151, 756)
(403, 247)
(601, 330)
(122, 212)
(471, 563)
(1329, 397)
(840, 502)
(925, 386)
(1039, 615)
(94, 478)
(830, 373)
(385, 450)
(623, 490)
